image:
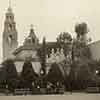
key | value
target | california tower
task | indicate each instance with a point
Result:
(9, 34)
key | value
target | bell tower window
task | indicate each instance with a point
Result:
(10, 26)
(7, 17)
(10, 17)
(10, 36)
(10, 39)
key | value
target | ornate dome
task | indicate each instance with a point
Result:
(31, 39)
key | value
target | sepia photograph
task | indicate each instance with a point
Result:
(50, 49)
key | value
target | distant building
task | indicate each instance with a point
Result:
(32, 49)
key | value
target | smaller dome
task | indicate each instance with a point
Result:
(31, 39)
(28, 41)
(9, 9)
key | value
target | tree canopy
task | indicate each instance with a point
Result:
(10, 74)
(64, 37)
(9, 67)
(28, 72)
(81, 29)
(55, 74)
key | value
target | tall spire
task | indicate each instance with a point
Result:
(10, 33)
(9, 3)
(9, 8)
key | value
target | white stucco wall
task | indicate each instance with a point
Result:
(36, 66)
(27, 53)
(19, 66)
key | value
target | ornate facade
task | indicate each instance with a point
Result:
(31, 48)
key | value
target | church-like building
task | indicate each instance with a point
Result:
(10, 35)
(32, 49)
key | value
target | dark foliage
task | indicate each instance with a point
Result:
(64, 37)
(10, 74)
(81, 29)
(43, 55)
(10, 69)
(28, 76)
(55, 74)
(28, 72)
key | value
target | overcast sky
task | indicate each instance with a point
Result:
(50, 17)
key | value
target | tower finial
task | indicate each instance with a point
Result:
(9, 3)
(9, 8)
(31, 28)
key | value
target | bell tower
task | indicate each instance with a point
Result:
(9, 34)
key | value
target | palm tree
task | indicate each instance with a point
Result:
(64, 37)
(81, 29)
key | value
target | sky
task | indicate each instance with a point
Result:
(50, 17)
